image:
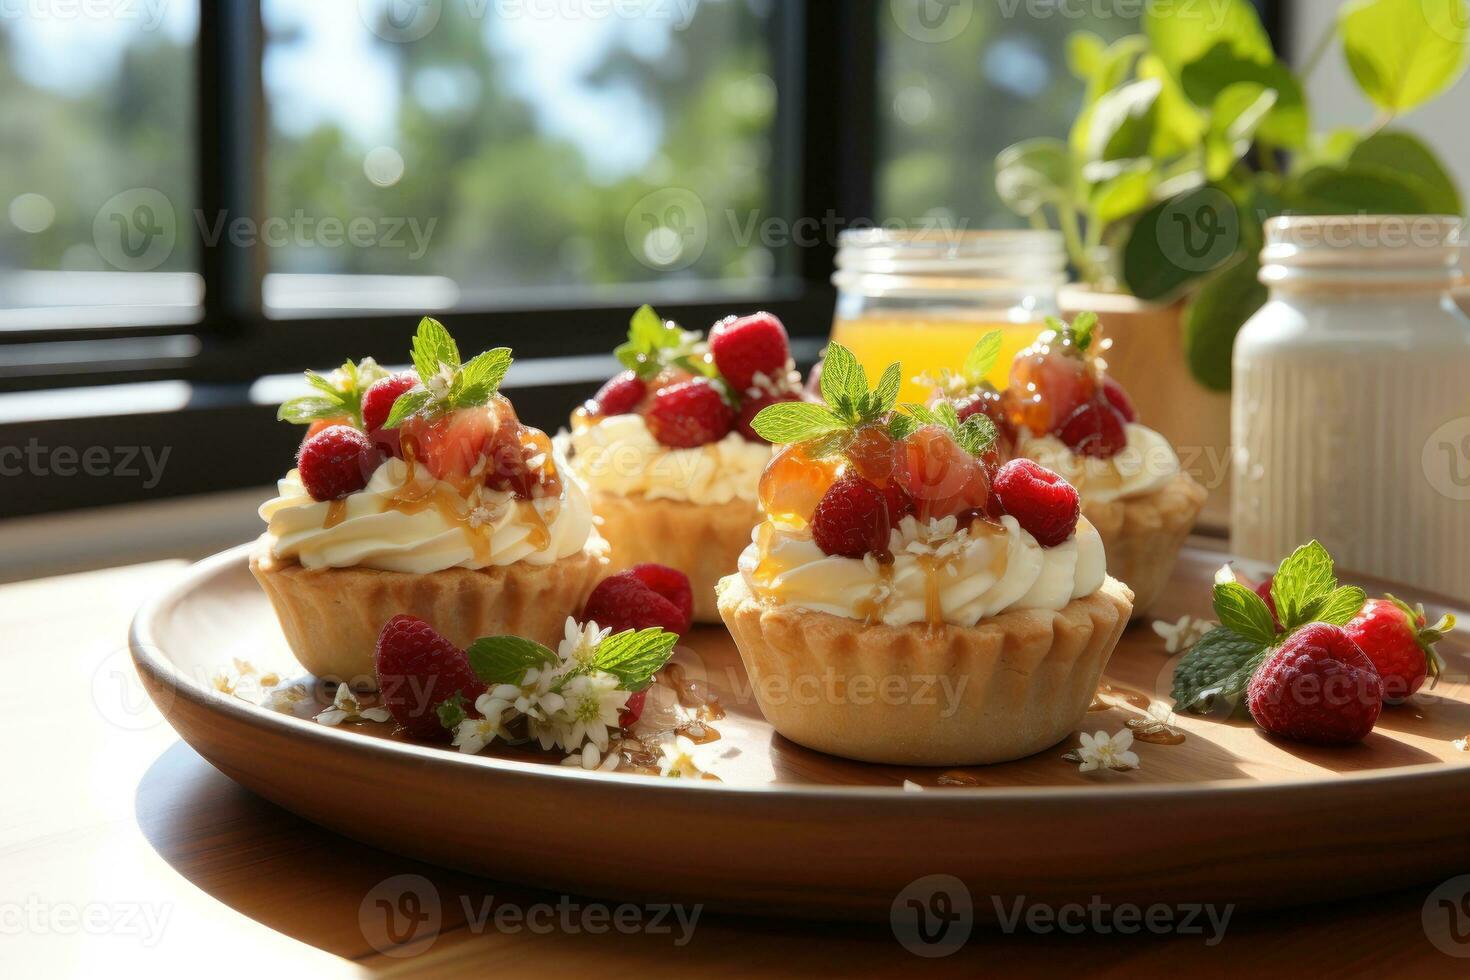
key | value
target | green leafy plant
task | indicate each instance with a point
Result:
(1193, 133)
(655, 343)
(633, 657)
(338, 395)
(446, 384)
(1216, 670)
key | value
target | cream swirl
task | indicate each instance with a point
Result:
(937, 573)
(437, 527)
(1145, 464)
(618, 455)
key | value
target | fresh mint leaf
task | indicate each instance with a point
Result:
(1303, 579)
(981, 359)
(505, 659)
(479, 379)
(786, 422)
(654, 343)
(406, 404)
(976, 434)
(308, 409)
(634, 657)
(1084, 325)
(325, 385)
(1216, 670)
(886, 392)
(451, 711)
(843, 380)
(1246, 613)
(901, 426)
(433, 346)
(921, 414)
(1338, 607)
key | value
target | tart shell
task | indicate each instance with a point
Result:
(704, 541)
(332, 616)
(1008, 687)
(1142, 535)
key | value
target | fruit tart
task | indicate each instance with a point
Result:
(905, 599)
(421, 494)
(666, 448)
(1074, 419)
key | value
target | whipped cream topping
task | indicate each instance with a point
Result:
(618, 455)
(405, 520)
(1145, 464)
(939, 573)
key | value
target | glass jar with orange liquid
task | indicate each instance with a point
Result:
(924, 298)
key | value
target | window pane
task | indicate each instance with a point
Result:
(956, 90)
(96, 164)
(468, 152)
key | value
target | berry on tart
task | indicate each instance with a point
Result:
(969, 392)
(336, 461)
(643, 597)
(1399, 641)
(337, 398)
(377, 403)
(1041, 501)
(690, 392)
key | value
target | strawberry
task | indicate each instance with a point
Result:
(852, 519)
(1400, 644)
(1318, 686)
(668, 582)
(1041, 501)
(689, 414)
(418, 670)
(625, 602)
(621, 395)
(749, 345)
(1096, 428)
(451, 445)
(751, 407)
(335, 462)
(1049, 382)
(377, 403)
(941, 477)
(1118, 398)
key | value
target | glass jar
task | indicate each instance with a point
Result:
(925, 297)
(1350, 412)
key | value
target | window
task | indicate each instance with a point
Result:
(502, 150)
(96, 165)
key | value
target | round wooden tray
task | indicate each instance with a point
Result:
(1229, 815)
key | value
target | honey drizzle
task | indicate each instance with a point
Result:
(336, 513)
(1154, 731)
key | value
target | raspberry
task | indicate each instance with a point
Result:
(620, 395)
(1118, 398)
(751, 407)
(377, 403)
(749, 345)
(689, 414)
(1399, 643)
(335, 462)
(632, 709)
(670, 583)
(1318, 687)
(417, 671)
(851, 519)
(623, 602)
(1041, 501)
(1095, 429)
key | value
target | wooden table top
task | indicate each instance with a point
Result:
(122, 850)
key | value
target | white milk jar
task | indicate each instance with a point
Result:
(1350, 414)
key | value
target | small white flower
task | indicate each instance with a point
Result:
(589, 758)
(479, 516)
(284, 699)
(678, 758)
(1104, 751)
(941, 537)
(1183, 633)
(439, 383)
(579, 642)
(473, 734)
(1225, 574)
(592, 705)
(1462, 744)
(346, 707)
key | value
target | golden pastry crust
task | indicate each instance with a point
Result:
(1005, 688)
(1142, 535)
(704, 541)
(332, 616)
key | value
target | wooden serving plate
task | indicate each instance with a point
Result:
(1229, 815)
